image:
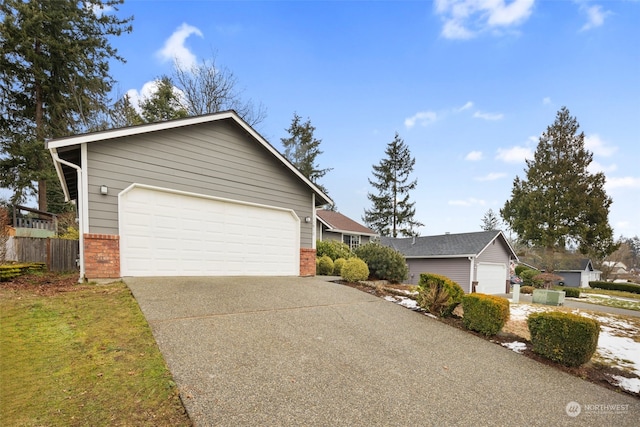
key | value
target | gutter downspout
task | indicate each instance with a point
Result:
(78, 169)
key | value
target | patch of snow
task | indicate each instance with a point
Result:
(621, 351)
(403, 301)
(630, 384)
(516, 346)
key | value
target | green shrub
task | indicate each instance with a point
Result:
(442, 283)
(337, 266)
(355, 270)
(334, 249)
(626, 287)
(526, 290)
(325, 266)
(384, 263)
(565, 338)
(568, 292)
(486, 314)
(527, 278)
(520, 268)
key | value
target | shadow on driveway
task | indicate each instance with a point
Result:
(303, 351)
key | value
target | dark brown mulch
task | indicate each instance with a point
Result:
(44, 283)
(593, 372)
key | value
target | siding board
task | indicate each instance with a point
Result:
(217, 159)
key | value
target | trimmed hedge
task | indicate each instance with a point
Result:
(11, 271)
(565, 338)
(355, 270)
(483, 313)
(568, 292)
(527, 290)
(325, 266)
(384, 263)
(334, 249)
(626, 287)
(451, 288)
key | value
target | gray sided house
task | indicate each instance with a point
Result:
(478, 262)
(335, 226)
(200, 196)
(578, 273)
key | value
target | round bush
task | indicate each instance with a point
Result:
(444, 287)
(325, 266)
(384, 263)
(337, 266)
(354, 270)
(486, 314)
(526, 290)
(527, 277)
(333, 249)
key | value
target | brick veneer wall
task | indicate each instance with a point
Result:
(101, 256)
(307, 262)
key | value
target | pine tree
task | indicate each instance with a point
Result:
(54, 76)
(490, 221)
(560, 203)
(163, 104)
(301, 148)
(392, 213)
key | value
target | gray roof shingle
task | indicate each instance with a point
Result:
(445, 245)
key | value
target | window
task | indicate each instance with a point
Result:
(353, 241)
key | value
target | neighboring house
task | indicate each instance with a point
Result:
(578, 273)
(199, 196)
(335, 226)
(616, 267)
(478, 262)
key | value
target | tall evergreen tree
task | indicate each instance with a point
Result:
(301, 148)
(163, 104)
(560, 202)
(490, 221)
(392, 212)
(54, 76)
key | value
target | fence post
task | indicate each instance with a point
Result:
(48, 254)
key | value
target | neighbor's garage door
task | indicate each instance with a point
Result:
(169, 233)
(491, 278)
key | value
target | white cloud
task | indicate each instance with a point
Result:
(464, 19)
(515, 154)
(491, 177)
(599, 147)
(546, 101)
(622, 182)
(595, 16)
(471, 201)
(595, 167)
(422, 118)
(466, 106)
(174, 48)
(474, 156)
(488, 116)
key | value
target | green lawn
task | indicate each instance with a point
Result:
(83, 357)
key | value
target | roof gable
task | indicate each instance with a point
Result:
(337, 222)
(446, 245)
(68, 143)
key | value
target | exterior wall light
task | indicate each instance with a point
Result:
(104, 189)
(307, 219)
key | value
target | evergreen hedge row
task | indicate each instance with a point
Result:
(626, 287)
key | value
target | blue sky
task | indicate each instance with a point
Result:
(468, 84)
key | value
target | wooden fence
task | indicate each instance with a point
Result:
(58, 254)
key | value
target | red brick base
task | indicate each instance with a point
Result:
(101, 256)
(307, 262)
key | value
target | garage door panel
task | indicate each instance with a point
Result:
(491, 278)
(169, 233)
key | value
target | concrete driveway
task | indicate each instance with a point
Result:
(303, 351)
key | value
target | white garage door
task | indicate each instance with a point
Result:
(169, 233)
(492, 278)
